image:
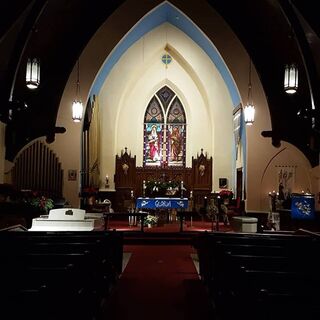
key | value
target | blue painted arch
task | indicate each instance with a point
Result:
(166, 12)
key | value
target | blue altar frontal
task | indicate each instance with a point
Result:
(162, 203)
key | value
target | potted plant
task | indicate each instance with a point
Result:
(150, 220)
(43, 203)
(226, 195)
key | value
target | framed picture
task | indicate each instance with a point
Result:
(72, 175)
(223, 183)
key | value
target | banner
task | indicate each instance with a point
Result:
(285, 180)
(237, 120)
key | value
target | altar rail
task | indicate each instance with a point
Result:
(58, 275)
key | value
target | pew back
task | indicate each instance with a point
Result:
(58, 275)
(267, 273)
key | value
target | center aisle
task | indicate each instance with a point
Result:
(159, 282)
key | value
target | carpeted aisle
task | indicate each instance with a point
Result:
(159, 282)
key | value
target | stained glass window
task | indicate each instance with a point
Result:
(176, 142)
(154, 112)
(164, 130)
(165, 95)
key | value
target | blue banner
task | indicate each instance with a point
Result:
(302, 206)
(162, 203)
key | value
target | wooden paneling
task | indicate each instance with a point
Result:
(129, 178)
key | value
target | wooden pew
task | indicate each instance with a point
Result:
(260, 276)
(58, 275)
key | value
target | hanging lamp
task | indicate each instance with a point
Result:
(33, 73)
(77, 106)
(249, 109)
(290, 78)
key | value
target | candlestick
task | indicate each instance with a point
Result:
(273, 199)
(144, 188)
(181, 189)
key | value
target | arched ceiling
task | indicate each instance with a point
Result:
(58, 30)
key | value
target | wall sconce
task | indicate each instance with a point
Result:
(249, 110)
(77, 106)
(33, 73)
(290, 78)
(106, 185)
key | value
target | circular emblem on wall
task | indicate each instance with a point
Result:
(166, 59)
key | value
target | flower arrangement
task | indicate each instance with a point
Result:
(90, 191)
(162, 187)
(43, 203)
(226, 194)
(150, 219)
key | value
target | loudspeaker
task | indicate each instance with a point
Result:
(223, 183)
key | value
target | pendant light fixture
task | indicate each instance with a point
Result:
(249, 110)
(290, 82)
(290, 78)
(33, 73)
(77, 106)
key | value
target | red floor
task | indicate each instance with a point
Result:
(159, 283)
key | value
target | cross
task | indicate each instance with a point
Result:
(166, 59)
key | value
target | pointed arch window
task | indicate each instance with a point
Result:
(164, 130)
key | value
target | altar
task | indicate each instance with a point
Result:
(165, 206)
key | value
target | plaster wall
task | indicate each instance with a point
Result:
(259, 149)
(136, 78)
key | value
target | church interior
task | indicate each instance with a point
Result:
(163, 148)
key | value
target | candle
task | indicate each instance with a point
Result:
(131, 193)
(144, 184)
(191, 194)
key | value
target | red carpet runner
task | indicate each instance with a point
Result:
(159, 283)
